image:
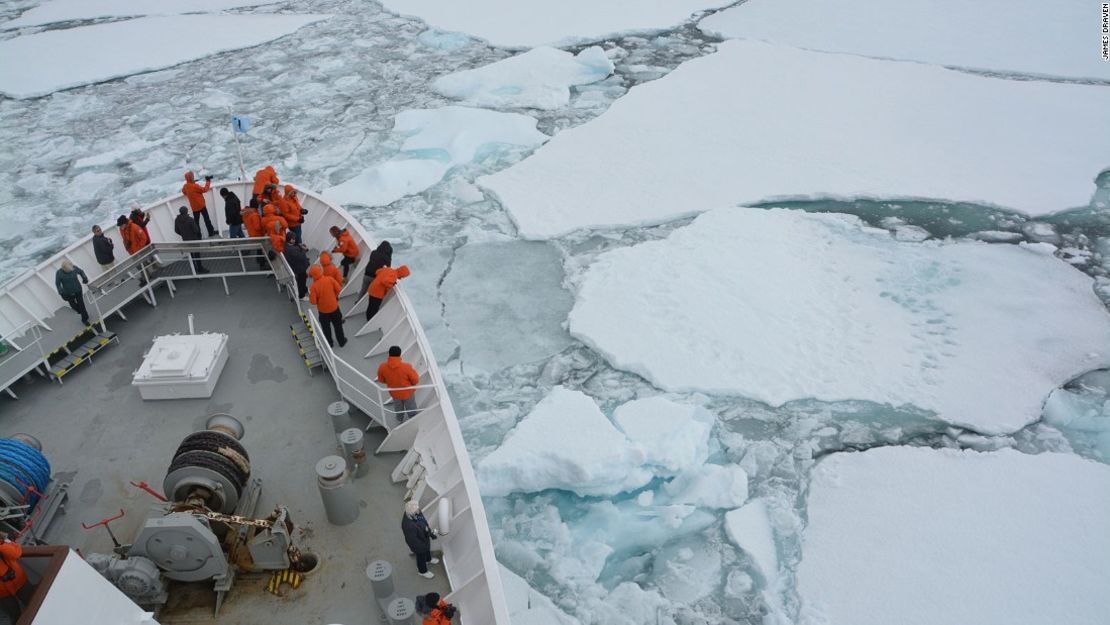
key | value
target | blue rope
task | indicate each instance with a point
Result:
(23, 466)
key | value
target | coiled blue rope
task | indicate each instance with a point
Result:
(23, 466)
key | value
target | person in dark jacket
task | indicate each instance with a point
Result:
(382, 256)
(68, 281)
(298, 262)
(186, 227)
(103, 248)
(418, 536)
(233, 213)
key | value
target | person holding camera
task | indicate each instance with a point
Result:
(14, 592)
(195, 194)
(418, 536)
(436, 611)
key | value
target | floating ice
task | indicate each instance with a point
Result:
(674, 436)
(526, 605)
(72, 10)
(779, 305)
(531, 23)
(1084, 410)
(42, 63)
(749, 528)
(629, 527)
(979, 35)
(687, 569)
(111, 156)
(438, 139)
(540, 78)
(920, 536)
(547, 449)
(754, 122)
(709, 486)
(443, 41)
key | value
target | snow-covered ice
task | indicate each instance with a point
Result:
(531, 23)
(436, 141)
(42, 63)
(780, 304)
(547, 449)
(1054, 36)
(674, 436)
(709, 486)
(920, 536)
(755, 122)
(73, 10)
(749, 528)
(526, 605)
(540, 78)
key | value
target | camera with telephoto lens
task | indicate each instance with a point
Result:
(208, 177)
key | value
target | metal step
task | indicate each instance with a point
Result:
(306, 345)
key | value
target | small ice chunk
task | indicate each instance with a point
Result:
(1041, 232)
(547, 449)
(997, 236)
(628, 527)
(709, 486)
(911, 233)
(49, 61)
(388, 182)
(527, 605)
(111, 156)
(443, 41)
(540, 78)
(674, 436)
(919, 536)
(687, 569)
(749, 528)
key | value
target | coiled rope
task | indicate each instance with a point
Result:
(24, 468)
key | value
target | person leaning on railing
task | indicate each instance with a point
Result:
(399, 375)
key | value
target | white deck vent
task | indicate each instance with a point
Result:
(182, 366)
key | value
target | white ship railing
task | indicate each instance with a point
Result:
(436, 466)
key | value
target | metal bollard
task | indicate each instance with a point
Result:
(354, 451)
(401, 611)
(380, 573)
(340, 413)
(336, 490)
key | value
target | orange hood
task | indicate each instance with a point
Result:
(188, 176)
(315, 272)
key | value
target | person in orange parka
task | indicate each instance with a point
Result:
(263, 177)
(252, 221)
(324, 294)
(347, 247)
(277, 239)
(330, 270)
(398, 375)
(270, 216)
(134, 236)
(195, 194)
(384, 280)
(13, 580)
(292, 211)
(441, 614)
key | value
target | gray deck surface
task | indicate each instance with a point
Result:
(97, 428)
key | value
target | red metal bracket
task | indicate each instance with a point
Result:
(104, 522)
(147, 488)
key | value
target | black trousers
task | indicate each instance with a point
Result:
(197, 265)
(373, 304)
(330, 320)
(422, 558)
(207, 221)
(346, 264)
(77, 302)
(302, 285)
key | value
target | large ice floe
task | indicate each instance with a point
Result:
(436, 141)
(918, 536)
(540, 78)
(45, 62)
(983, 35)
(755, 122)
(782, 304)
(73, 10)
(531, 23)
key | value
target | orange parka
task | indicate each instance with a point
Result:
(290, 207)
(324, 292)
(263, 177)
(385, 278)
(252, 222)
(134, 237)
(194, 192)
(277, 239)
(330, 270)
(270, 216)
(347, 245)
(10, 553)
(396, 373)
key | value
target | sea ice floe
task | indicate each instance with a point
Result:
(547, 449)
(919, 536)
(978, 35)
(674, 436)
(781, 304)
(709, 486)
(540, 78)
(526, 605)
(72, 10)
(45, 62)
(437, 140)
(749, 528)
(755, 122)
(530, 23)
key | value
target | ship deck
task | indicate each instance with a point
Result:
(97, 431)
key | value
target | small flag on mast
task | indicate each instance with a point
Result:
(240, 124)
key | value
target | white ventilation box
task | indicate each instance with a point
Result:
(180, 366)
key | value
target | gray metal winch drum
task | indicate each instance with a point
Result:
(336, 490)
